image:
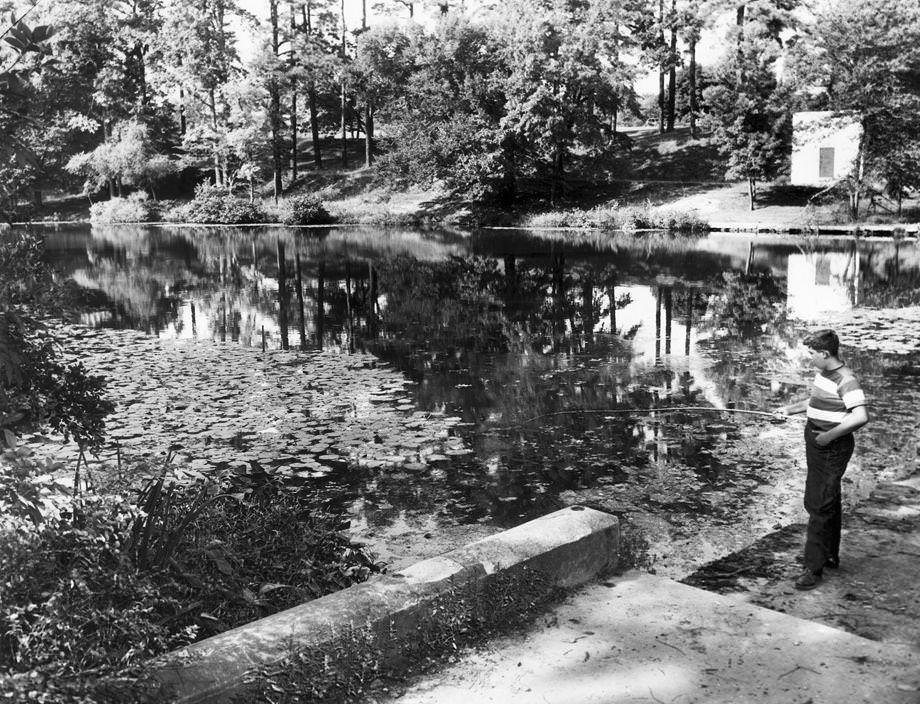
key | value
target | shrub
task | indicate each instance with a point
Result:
(304, 209)
(76, 616)
(628, 218)
(134, 208)
(214, 205)
(104, 583)
(36, 387)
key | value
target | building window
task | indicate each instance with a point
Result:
(826, 162)
(823, 270)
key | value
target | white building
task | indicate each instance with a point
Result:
(825, 147)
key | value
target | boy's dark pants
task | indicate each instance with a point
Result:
(826, 466)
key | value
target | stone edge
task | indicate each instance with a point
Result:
(567, 547)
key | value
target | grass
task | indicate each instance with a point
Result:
(613, 217)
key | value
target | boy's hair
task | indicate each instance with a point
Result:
(825, 341)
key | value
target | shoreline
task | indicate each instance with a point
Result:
(904, 231)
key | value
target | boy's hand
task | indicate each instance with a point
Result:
(822, 439)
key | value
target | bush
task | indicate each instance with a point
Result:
(36, 387)
(134, 208)
(76, 616)
(104, 583)
(214, 205)
(304, 209)
(628, 219)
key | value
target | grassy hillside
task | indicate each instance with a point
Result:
(654, 170)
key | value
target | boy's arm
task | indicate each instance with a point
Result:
(792, 409)
(854, 420)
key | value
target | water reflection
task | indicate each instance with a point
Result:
(538, 346)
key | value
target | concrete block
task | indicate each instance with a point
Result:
(565, 548)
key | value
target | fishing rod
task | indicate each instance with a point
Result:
(664, 409)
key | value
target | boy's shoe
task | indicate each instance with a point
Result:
(808, 580)
(832, 562)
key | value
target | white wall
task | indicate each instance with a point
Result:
(814, 130)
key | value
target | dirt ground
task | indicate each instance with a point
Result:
(876, 591)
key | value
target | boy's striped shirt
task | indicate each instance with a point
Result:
(833, 394)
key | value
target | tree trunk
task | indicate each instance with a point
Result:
(558, 173)
(314, 128)
(692, 77)
(300, 303)
(182, 125)
(368, 134)
(752, 190)
(320, 322)
(348, 313)
(661, 93)
(282, 296)
(274, 116)
(672, 68)
(344, 138)
(293, 160)
(343, 101)
(311, 94)
(668, 316)
(612, 296)
(212, 105)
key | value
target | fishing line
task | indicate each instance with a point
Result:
(665, 409)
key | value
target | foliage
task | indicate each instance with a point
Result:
(75, 614)
(304, 209)
(749, 112)
(564, 73)
(214, 205)
(867, 55)
(747, 306)
(36, 387)
(30, 54)
(629, 219)
(454, 301)
(134, 208)
(129, 157)
(28, 488)
(121, 580)
(446, 112)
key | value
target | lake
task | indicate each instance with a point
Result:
(472, 381)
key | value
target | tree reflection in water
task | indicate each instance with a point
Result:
(531, 343)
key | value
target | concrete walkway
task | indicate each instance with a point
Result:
(641, 638)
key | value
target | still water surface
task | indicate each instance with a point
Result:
(541, 347)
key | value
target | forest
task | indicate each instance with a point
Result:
(499, 102)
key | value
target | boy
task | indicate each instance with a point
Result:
(837, 407)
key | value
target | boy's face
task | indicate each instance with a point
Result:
(818, 358)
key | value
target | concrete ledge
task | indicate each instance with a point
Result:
(565, 548)
(907, 230)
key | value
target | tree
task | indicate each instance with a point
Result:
(380, 70)
(200, 59)
(445, 113)
(314, 63)
(866, 56)
(564, 78)
(28, 53)
(692, 21)
(749, 111)
(129, 157)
